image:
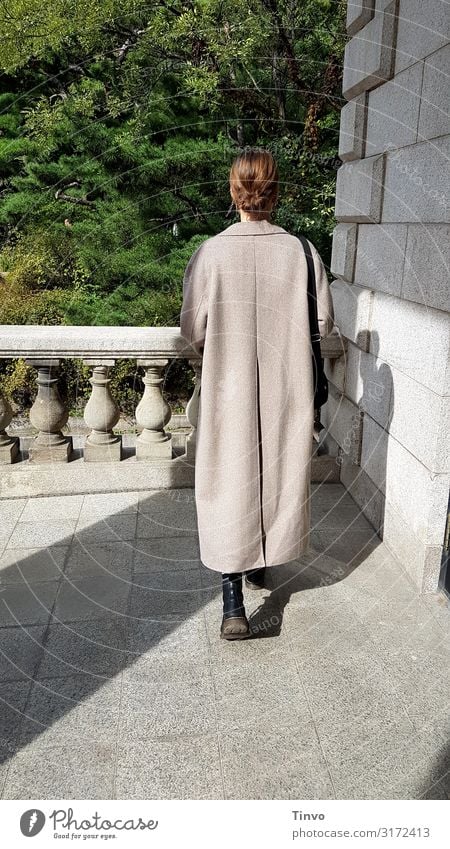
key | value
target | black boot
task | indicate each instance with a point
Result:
(234, 623)
(254, 578)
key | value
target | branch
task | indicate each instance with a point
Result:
(179, 194)
(60, 195)
(122, 51)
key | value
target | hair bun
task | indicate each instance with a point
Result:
(254, 180)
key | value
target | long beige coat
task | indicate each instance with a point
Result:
(245, 307)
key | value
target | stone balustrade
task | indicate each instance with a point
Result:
(43, 347)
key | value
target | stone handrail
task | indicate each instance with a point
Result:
(56, 342)
(44, 346)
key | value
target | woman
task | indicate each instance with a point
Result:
(245, 310)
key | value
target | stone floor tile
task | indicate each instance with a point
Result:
(348, 545)
(101, 559)
(106, 529)
(167, 513)
(340, 514)
(348, 683)
(315, 580)
(10, 512)
(437, 789)
(76, 707)
(42, 534)
(187, 670)
(349, 743)
(175, 500)
(99, 597)
(172, 768)
(281, 763)
(439, 605)
(157, 525)
(422, 680)
(316, 633)
(159, 594)
(20, 651)
(74, 769)
(184, 637)
(166, 708)
(404, 765)
(13, 698)
(11, 509)
(27, 604)
(97, 648)
(169, 553)
(382, 590)
(108, 504)
(396, 614)
(22, 565)
(170, 582)
(258, 696)
(45, 509)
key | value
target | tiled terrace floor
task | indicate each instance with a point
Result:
(114, 683)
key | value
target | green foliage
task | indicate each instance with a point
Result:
(118, 124)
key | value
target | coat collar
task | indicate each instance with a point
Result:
(252, 228)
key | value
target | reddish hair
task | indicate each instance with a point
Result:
(254, 180)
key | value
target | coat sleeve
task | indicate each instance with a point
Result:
(194, 311)
(325, 309)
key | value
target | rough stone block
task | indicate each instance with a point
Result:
(411, 338)
(359, 13)
(393, 112)
(423, 27)
(353, 129)
(368, 384)
(109, 453)
(413, 188)
(335, 371)
(324, 468)
(380, 257)
(422, 562)
(427, 261)
(343, 420)
(343, 251)
(154, 450)
(359, 190)
(51, 454)
(426, 434)
(418, 495)
(352, 306)
(363, 490)
(435, 103)
(369, 55)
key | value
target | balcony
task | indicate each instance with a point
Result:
(113, 680)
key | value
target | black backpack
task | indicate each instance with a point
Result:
(320, 379)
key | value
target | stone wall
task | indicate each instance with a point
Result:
(389, 403)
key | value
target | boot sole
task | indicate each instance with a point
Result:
(234, 636)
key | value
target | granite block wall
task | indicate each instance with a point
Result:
(389, 408)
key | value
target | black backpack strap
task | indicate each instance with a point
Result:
(312, 291)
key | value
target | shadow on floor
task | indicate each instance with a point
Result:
(89, 585)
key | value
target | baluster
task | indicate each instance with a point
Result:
(9, 445)
(153, 414)
(101, 414)
(49, 415)
(192, 410)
